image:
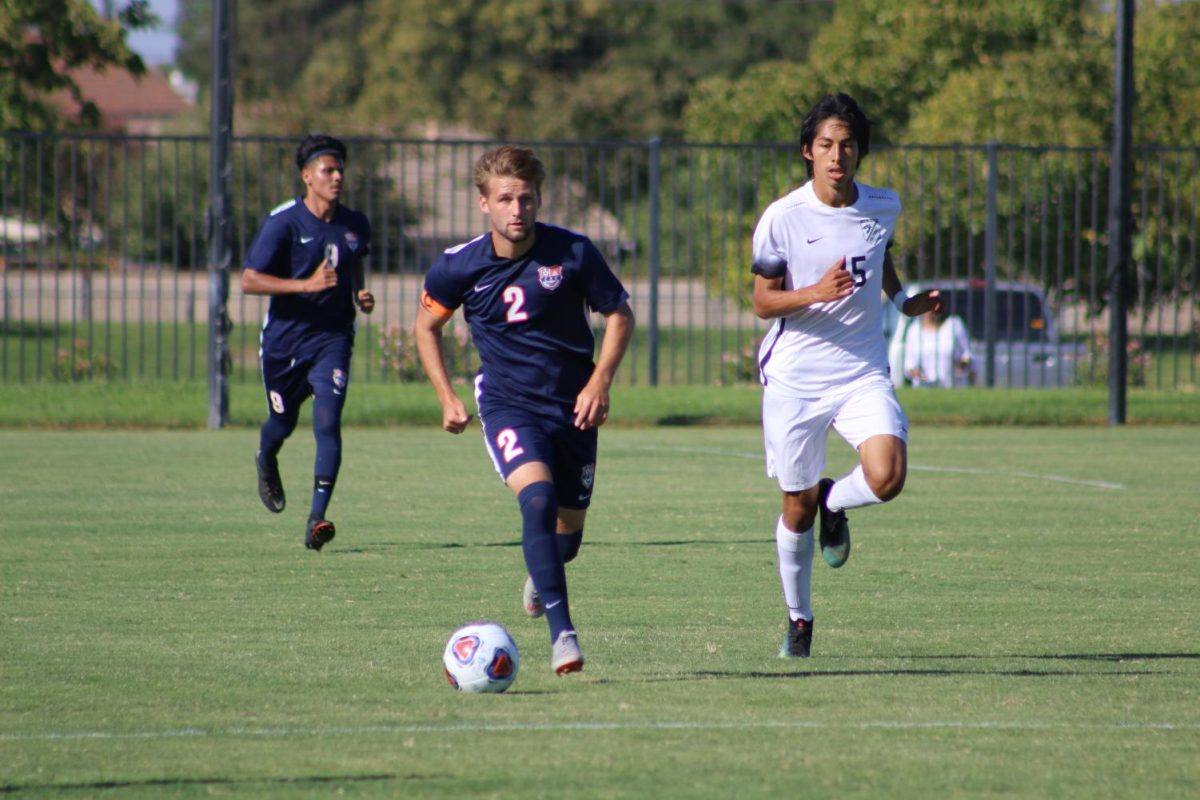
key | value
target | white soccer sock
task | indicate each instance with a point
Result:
(851, 491)
(795, 569)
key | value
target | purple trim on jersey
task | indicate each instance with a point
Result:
(762, 364)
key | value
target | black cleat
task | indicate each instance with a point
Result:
(270, 486)
(835, 531)
(798, 641)
(318, 533)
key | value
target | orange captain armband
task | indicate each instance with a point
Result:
(434, 307)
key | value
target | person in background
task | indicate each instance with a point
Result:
(937, 352)
(308, 258)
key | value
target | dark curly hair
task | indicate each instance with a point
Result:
(318, 144)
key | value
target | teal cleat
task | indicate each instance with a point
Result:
(835, 531)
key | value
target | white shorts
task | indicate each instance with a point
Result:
(795, 429)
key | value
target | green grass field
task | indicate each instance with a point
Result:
(1021, 622)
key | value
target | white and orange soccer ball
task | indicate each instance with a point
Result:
(481, 657)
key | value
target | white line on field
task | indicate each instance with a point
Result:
(1037, 476)
(639, 725)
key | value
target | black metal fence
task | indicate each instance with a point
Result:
(103, 249)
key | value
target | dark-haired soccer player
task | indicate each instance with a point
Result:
(820, 260)
(308, 256)
(525, 288)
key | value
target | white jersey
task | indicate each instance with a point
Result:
(799, 238)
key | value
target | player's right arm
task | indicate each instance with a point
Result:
(255, 282)
(770, 252)
(432, 316)
(271, 247)
(772, 299)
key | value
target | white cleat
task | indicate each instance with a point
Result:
(533, 603)
(567, 656)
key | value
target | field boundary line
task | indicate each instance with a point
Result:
(1037, 476)
(642, 725)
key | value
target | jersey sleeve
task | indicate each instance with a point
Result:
(768, 257)
(268, 252)
(604, 291)
(364, 235)
(441, 293)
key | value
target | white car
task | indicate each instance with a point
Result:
(1028, 351)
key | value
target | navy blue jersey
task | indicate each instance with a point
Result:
(290, 244)
(529, 316)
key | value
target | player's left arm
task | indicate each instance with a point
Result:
(917, 304)
(592, 403)
(358, 278)
(362, 296)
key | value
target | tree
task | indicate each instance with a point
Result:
(41, 41)
(1023, 72)
(278, 48)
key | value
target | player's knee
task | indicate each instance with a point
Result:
(798, 514)
(887, 485)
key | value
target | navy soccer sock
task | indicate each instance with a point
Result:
(539, 515)
(272, 435)
(568, 545)
(327, 428)
(322, 494)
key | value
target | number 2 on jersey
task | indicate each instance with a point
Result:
(515, 297)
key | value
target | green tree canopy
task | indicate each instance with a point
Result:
(580, 69)
(41, 41)
(1024, 71)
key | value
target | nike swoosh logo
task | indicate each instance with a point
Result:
(583, 497)
(306, 239)
(484, 287)
(552, 605)
(819, 238)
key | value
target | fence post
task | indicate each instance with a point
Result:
(655, 247)
(990, 236)
(220, 213)
(1119, 212)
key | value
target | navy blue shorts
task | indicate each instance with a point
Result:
(515, 437)
(321, 371)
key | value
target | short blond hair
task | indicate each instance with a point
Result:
(509, 161)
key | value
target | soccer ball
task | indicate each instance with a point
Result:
(481, 657)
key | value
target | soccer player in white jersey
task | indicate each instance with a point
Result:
(820, 262)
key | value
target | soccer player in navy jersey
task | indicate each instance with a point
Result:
(525, 289)
(308, 257)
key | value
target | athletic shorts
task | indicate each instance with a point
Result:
(322, 370)
(516, 436)
(795, 429)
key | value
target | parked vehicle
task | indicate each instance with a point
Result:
(1028, 351)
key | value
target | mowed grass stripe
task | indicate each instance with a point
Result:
(520, 727)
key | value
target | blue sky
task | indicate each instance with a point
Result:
(155, 47)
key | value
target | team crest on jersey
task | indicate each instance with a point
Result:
(550, 277)
(339, 379)
(352, 241)
(588, 476)
(873, 232)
